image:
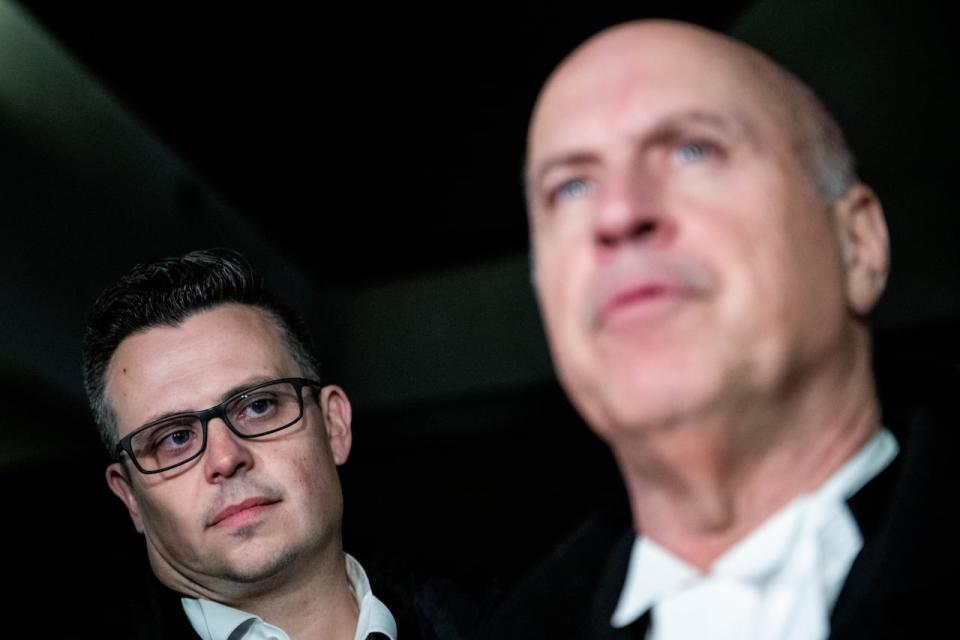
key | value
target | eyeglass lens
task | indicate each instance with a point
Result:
(253, 413)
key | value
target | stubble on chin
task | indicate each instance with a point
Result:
(263, 571)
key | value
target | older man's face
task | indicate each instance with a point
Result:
(683, 257)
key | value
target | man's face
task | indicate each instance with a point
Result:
(290, 476)
(683, 257)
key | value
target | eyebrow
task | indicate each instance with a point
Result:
(572, 158)
(243, 386)
(664, 129)
(728, 125)
(226, 395)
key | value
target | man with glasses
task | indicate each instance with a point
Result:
(226, 446)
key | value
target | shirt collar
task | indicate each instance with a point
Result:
(653, 572)
(215, 621)
(374, 615)
(212, 620)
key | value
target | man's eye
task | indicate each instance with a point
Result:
(257, 407)
(260, 406)
(177, 438)
(690, 152)
(569, 190)
(172, 436)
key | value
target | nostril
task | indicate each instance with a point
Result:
(643, 229)
(638, 231)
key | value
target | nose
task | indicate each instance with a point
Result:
(226, 455)
(631, 214)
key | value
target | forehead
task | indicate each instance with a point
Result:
(632, 81)
(191, 365)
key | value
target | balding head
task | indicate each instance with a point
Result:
(698, 233)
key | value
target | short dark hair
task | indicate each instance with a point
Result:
(167, 292)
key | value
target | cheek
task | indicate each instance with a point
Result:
(170, 517)
(782, 285)
(801, 263)
(312, 473)
(764, 300)
(559, 277)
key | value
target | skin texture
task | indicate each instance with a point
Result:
(272, 560)
(704, 303)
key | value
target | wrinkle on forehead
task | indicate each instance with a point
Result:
(189, 366)
(656, 51)
(666, 53)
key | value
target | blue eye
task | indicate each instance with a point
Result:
(693, 152)
(570, 189)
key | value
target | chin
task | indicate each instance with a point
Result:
(645, 398)
(638, 416)
(258, 568)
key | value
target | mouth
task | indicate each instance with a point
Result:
(639, 302)
(242, 513)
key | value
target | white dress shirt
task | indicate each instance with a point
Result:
(215, 621)
(778, 583)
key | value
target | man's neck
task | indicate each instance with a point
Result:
(699, 486)
(325, 602)
(318, 597)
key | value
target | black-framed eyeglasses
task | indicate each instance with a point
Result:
(174, 440)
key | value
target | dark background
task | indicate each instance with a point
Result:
(368, 160)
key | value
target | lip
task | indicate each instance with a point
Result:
(241, 512)
(639, 300)
(639, 288)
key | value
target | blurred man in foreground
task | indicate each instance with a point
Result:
(705, 260)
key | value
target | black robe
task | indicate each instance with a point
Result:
(901, 585)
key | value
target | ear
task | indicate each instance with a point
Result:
(119, 483)
(337, 415)
(865, 247)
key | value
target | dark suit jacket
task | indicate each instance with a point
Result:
(900, 585)
(424, 608)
